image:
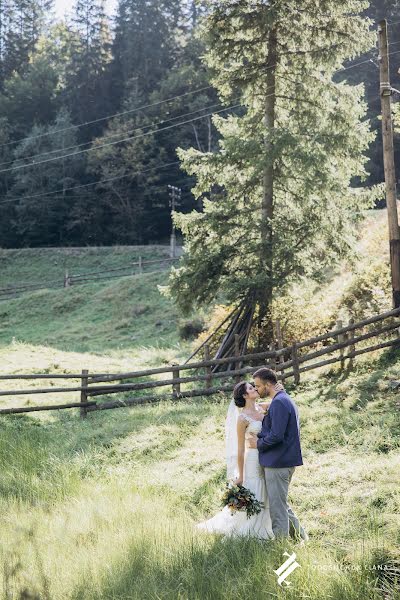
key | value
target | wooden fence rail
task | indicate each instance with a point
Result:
(82, 278)
(289, 362)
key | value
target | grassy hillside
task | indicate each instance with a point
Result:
(104, 509)
(99, 317)
(130, 313)
(30, 265)
(114, 314)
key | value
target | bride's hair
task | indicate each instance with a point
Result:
(238, 394)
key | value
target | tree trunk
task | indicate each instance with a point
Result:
(267, 208)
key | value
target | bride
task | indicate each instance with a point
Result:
(243, 466)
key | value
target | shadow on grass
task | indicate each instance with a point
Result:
(60, 453)
(205, 570)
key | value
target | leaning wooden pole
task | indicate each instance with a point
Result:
(388, 159)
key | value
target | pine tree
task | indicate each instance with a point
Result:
(144, 46)
(87, 84)
(42, 217)
(30, 98)
(22, 22)
(138, 207)
(280, 198)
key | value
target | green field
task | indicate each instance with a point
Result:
(31, 265)
(104, 508)
(114, 314)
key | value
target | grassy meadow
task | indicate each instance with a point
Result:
(104, 508)
(121, 313)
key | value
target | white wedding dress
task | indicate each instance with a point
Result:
(238, 524)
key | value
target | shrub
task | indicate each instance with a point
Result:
(369, 293)
(190, 328)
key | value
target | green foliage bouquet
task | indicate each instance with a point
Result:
(237, 497)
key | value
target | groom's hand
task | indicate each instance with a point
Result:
(252, 440)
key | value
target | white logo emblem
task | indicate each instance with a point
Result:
(288, 567)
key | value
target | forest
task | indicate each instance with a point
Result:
(94, 107)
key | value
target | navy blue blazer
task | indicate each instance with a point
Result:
(279, 439)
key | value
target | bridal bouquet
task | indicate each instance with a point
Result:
(237, 497)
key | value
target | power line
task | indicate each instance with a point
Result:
(61, 191)
(28, 138)
(365, 61)
(48, 133)
(84, 185)
(35, 164)
(128, 131)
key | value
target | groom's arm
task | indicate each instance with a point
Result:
(279, 419)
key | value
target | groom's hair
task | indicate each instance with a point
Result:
(266, 375)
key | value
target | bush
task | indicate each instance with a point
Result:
(191, 328)
(369, 292)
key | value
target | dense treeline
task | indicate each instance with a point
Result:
(63, 184)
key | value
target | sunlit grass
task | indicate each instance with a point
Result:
(105, 508)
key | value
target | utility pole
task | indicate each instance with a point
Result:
(388, 160)
(175, 197)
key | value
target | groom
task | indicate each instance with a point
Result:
(279, 451)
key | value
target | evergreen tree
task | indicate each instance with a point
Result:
(22, 22)
(139, 206)
(280, 201)
(144, 47)
(87, 82)
(43, 218)
(30, 98)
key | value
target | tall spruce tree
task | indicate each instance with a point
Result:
(280, 202)
(138, 207)
(22, 22)
(40, 195)
(145, 46)
(87, 91)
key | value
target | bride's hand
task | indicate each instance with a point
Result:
(252, 441)
(238, 481)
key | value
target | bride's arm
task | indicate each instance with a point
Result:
(241, 429)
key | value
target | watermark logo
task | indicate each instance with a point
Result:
(288, 567)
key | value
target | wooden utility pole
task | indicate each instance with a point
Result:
(175, 195)
(388, 159)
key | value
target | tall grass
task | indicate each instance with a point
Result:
(105, 509)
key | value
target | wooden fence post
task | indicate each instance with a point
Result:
(271, 348)
(295, 361)
(279, 339)
(84, 383)
(340, 339)
(352, 348)
(176, 387)
(208, 370)
(67, 280)
(237, 353)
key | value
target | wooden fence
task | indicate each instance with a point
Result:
(130, 269)
(346, 343)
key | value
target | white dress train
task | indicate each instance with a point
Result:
(238, 524)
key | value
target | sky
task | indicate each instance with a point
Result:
(63, 6)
